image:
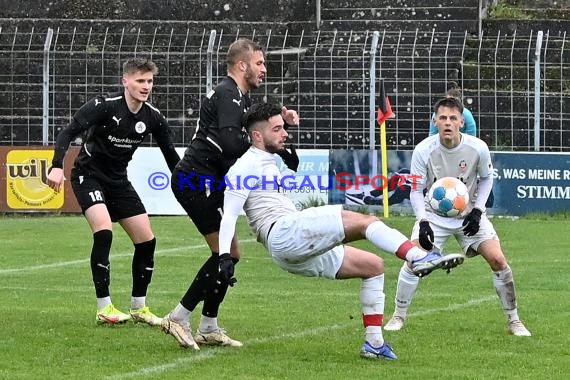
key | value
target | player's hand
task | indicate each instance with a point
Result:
(290, 158)
(226, 269)
(55, 178)
(426, 235)
(290, 117)
(471, 222)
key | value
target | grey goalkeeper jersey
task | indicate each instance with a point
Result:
(254, 184)
(468, 161)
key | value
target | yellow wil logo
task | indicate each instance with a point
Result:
(26, 177)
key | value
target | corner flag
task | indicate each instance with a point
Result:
(384, 113)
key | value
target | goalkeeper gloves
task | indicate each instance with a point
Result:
(426, 235)
(290, 159)
(226, 269)
(471, 222)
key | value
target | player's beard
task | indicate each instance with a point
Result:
(273, 148)
(251, 79)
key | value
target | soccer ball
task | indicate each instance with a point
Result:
(448, 197)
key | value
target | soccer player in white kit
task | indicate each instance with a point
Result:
(454, 154)
(310, 242)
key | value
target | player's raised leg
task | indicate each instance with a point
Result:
(393, 241)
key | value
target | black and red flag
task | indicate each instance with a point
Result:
(384, 107)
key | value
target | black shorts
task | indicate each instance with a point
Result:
(203, 205)
(121, 198)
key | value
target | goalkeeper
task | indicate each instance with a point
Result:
(451, 153)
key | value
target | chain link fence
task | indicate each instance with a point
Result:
(323, 74)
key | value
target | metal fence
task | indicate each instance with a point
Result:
(323, 74)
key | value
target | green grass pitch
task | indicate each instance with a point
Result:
(292, 327)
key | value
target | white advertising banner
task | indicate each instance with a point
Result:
(312, 183)
(150, 177)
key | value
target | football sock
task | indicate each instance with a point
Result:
(202, 282)
(407, 285)
(372, 300)
(208, 324)
(137, 302)
(142, 267)
(102, 302)
(393, 241)
(216, 293)
(100, 265)
(409, 252)
(505, 287)
(180, 314)
(384, 237)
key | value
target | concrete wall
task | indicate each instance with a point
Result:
(182, 10)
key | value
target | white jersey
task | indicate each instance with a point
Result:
(254, 183)
(468, 161)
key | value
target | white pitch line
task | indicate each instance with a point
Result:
(113, 256)
(453, 307)
(203, 355)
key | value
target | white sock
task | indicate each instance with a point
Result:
(407, 285)
(102, 302)
(137, 302)
(208, 324)
(372, 300)
(505, 287)
(180, 314)
(393, 241)
(414, 254)
(384, 237)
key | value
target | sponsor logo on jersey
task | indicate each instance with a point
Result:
(462, 165)
(238, 102)
(117, 120)
(140, 127)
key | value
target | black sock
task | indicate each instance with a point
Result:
(142, 267)
(100, 266)
(201, 284)
(215, 296)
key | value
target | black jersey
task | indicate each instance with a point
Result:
(219, 139)
(113, 135)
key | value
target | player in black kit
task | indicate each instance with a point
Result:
(197, 183)
(115, 126)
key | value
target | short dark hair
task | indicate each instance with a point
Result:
(132, 65)
(259, 112)
(240, 50)
(449, 103)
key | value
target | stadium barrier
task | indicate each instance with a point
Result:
(523, 182)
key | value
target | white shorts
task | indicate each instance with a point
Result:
(309, 242)
(469, 244)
